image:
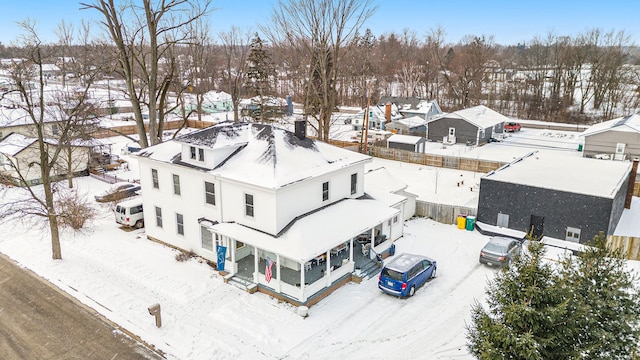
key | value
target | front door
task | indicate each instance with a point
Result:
(536, 226)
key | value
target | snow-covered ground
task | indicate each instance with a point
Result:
(120, 273)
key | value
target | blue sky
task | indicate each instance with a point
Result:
(509, 21)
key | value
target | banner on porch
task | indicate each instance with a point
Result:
(267, 271)
(222, 254)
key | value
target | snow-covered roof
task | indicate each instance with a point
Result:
(13, 143)
(302, 241)
(575, 175)
(404, 139)
(381, 179)
(19, 116)
(267, 155)
(413, 121)
(480, 116)
(630, 123)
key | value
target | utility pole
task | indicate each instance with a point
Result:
(365, 130)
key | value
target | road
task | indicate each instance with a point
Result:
(38, 321)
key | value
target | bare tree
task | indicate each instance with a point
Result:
(322, 29)
(235, 50)
(144, 36)
(52, 116)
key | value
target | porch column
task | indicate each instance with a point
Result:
(351, 249)
(278, 283)
(232, 250)
(256, 270)
(327, 272)
(302, 280)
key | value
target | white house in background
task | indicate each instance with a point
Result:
(413, 106)
(267, 196)
(20, 156)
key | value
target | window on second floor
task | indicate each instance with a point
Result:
(158, 217)
(209, 193)
(192, 149)
(55, 129)
(248, 205)
(201, 154)
(154, 177)
(176, 184)
(354, 183)
(325, 191)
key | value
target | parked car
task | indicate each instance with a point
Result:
(129, 213)
(118, 191)
(511, 127)
(499, 251)
(404, 274)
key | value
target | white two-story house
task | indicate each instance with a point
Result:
(274, 208)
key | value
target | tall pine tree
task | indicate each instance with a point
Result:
(526, 306)
(260, 75)
(607, 302)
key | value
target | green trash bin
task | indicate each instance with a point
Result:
(471, 221)
(579, 147)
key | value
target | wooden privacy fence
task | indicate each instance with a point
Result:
(628, 245)
(444, 161)
(133, 129)
(442, 213)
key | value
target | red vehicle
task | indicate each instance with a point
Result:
(511, 127)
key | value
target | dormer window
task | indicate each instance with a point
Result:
(193, 152)
(201, 154)
(325, 191)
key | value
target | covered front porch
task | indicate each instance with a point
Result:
(303, 261)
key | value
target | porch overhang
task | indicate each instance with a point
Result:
(315, 233)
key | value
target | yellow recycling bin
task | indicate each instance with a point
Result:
(462, 221)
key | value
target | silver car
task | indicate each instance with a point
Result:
(499, 251)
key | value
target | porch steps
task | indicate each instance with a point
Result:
(370, 269)
(242, 284)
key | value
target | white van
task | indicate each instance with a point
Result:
(129, 213)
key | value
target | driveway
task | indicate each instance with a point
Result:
(38, 321)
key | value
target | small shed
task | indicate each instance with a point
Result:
(406, 142)
(414, 125)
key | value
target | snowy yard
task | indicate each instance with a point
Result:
(120, 274)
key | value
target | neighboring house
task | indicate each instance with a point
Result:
(381, 184)
(379, 116)
(274, 209)
(412, 106)
(472, 126)
(17, 120)
(50, 70)
(564, 198)
(20, 156)
(212, 102)
(617, 139)
(406, 142)
(414, 125)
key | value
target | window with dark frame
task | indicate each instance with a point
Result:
(248, 205)
(325, 191)
(180, 224)
(193, 152)
(354, 183)
(209, 193)
(176, 184)
(154, 178)
(158, 217)
(201, 154)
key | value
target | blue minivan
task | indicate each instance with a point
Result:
(404, 274)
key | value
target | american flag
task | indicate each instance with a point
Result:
(267, 272)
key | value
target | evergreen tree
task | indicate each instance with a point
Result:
(526, 307)
(260, 73)
(607, 302)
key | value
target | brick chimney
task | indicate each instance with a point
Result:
(632, 183)
(301, 129)
(387, 111)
